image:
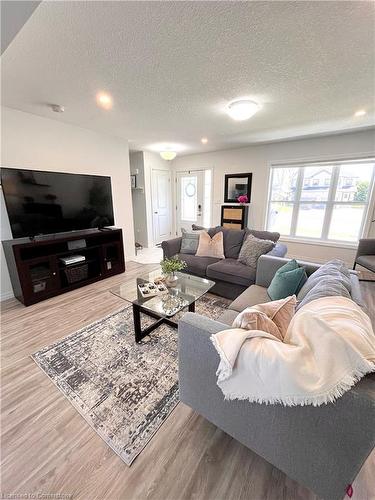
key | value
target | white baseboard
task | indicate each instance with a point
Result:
(6, 295)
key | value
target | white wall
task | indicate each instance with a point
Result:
(30, 141)
(257, 159)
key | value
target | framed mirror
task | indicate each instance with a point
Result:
(237, 185)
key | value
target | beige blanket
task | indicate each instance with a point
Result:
(328, 347)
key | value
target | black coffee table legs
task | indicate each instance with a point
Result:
(139, 333)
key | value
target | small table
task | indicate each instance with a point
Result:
(184, 292)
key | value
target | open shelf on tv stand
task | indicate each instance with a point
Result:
(37, 271)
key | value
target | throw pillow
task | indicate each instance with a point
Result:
(280, 311)
(327, 286)
(211, 247)
(335, 269)
(189, 242)
(252, 249)
(272, 317)
(287, 280)
(252, 319)
(233, 240)
(194, 227)
(263, 235)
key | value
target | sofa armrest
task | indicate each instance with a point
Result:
(279, 250)
(268, 265)
(171, 247)
(196, 354)
(366, 247)
(333, 449)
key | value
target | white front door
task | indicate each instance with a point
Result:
(190, 199)
(161, 205)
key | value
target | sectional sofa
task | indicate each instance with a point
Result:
(230, 276)
(321, 447)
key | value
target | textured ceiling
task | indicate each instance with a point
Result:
(172, 67)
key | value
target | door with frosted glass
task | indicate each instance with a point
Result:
(190, 189)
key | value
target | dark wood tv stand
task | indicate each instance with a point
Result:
(37, 272)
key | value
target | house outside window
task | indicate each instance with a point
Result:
(320, 201)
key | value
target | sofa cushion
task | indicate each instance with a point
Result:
(367, 261)
(252, 296)
(252, 249)
(334, 269)
(263, 235)
(327, 286)
(272, 317)
(231, 271)
(197, 265)
(287, 280)
(189, 241)
(211, 247)
(233, 240)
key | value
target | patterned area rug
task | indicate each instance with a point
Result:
(124, 390)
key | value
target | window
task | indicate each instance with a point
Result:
(331, 208)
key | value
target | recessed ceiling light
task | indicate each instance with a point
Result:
(360, 112)
(204, 140)
(104, 100)
(168, 155)
(242, 109)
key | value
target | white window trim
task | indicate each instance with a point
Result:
(335, 161)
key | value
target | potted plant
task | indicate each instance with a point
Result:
(169, 268)
(242, 199)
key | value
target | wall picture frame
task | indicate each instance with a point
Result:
(236, 185)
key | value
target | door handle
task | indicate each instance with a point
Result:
(155, 212)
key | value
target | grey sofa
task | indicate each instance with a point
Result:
(322, 447)
(365, 256)
(230, 276)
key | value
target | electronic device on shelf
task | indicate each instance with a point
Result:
(72, 259)
(42, 202)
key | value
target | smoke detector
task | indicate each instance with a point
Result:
(57, 108)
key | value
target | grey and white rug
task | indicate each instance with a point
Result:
(124, 390)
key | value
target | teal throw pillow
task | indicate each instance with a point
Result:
(287, 281)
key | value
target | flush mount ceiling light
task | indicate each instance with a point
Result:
(242, 109)
(204, 140)
(168, 155)
(360, 112)
(104, 100)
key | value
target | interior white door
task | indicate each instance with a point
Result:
(161, 205)
(190, 199)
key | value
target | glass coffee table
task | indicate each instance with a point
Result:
(184, 292)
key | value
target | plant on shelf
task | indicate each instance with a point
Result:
(170, 266)
(243, 199)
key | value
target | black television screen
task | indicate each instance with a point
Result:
(40, 202)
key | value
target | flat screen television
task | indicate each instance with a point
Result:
(40, 202)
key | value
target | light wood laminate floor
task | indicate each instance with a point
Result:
(48, 448)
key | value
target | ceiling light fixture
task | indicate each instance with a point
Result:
(204, 140)
(104, 100)
(168, 155)
(360, 112)
(242, 109)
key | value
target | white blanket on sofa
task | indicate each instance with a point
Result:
(328, 347)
